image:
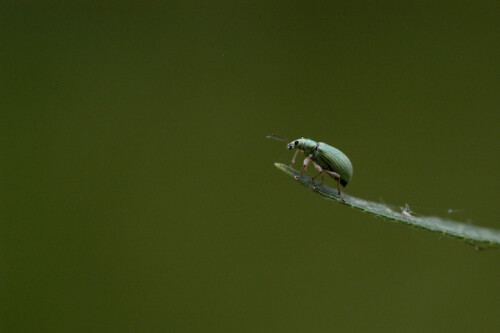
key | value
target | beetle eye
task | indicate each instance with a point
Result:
(296, 142)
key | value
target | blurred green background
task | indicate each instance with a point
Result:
(139, 192)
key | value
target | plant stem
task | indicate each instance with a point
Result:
(476, 235)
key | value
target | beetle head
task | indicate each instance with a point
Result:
(296, 144)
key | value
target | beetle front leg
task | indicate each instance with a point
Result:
(293, 159)
(304, 167)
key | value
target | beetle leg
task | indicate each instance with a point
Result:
(337, 177)
(317, 167)
(304, 167)
(320, 172)
(294, 156)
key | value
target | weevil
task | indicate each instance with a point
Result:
(326, 159)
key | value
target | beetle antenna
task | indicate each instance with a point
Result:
(277, 137)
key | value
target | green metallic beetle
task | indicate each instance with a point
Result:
(326, 159)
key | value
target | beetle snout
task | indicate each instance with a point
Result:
(289, 146)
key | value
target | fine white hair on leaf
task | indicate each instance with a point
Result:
(406, 211)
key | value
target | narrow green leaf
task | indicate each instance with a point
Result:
(470, 233)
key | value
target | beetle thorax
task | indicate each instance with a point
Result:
(309, 146)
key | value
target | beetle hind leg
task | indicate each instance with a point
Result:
(337, 177)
